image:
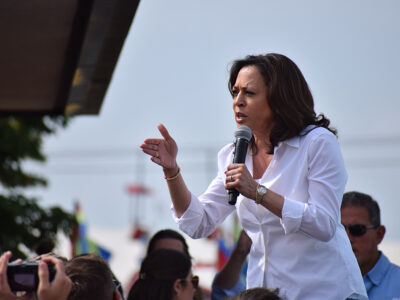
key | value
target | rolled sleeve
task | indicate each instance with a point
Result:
(318, 215)
(205, 212)
(292, 214)
(190, 221)
(326, 178)
(210, 209)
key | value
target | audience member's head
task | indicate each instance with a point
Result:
(92, 279)
(360, 216)
(44, 246)
(168, 239)
(164, 274)
(257, 294)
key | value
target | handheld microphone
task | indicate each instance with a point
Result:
(243, 135)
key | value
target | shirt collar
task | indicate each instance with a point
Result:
(295, 141)
(376, 274)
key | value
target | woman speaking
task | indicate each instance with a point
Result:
(290, 185)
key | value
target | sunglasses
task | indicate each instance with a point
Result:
(194, 280)
(118, 287)
(358, 229)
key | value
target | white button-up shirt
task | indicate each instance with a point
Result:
(306, 253)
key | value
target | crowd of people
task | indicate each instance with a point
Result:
(166, 271)
(303, 237)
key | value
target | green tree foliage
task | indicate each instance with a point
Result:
(22, 220)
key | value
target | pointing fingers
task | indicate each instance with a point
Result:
(164, 132)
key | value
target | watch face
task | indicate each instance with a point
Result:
(262, 190)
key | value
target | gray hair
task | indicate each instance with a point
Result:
(359, 199)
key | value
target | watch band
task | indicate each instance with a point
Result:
(258, 198)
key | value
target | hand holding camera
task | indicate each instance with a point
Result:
(25, 276)
(47, 278)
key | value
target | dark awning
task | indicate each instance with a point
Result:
(58, 56)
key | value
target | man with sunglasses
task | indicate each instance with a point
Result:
(360, 215)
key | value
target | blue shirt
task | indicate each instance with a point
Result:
(383, 281)
(218, 293)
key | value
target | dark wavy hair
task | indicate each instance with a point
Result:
(288, 95)
(158, 272)
(167, 234)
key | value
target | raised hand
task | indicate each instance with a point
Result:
(162, 151)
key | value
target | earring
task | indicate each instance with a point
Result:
(178, 293)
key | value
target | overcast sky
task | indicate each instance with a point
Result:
(174, 68)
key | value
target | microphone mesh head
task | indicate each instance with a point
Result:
(243, 132)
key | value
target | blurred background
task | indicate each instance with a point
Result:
(173, 69)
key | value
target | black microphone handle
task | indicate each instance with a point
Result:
(240, 151)
(238, 158)
(233, 194)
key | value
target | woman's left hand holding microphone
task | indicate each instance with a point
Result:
(239, 178)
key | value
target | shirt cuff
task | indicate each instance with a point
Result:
(191, 218)
(292, 214)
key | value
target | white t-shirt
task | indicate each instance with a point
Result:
(306, 253)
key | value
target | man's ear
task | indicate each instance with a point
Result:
(177, 287)
(380, 233)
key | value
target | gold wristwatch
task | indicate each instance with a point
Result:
(261, 191)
